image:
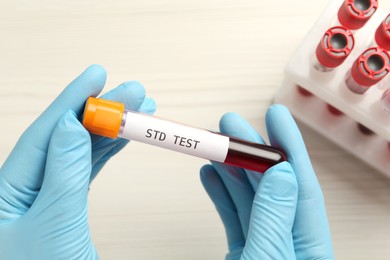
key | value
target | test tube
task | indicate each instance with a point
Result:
(386, 100)
(111, 119)
(334, 47)
(369, 68)
(382, 34)
(334, 111)
(354, 14)
(365, 130)
(304, 92)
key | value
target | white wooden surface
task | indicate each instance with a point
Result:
(198, 59)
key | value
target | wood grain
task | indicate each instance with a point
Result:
(198, 59)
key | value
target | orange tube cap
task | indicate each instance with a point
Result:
(103, 117)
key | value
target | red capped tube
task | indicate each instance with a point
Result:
(334, 47)
(354, 14)
(382, 34)
(368, 69)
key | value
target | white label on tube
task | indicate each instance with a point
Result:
(176, 137)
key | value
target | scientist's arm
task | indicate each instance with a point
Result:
(45, 180)
(278, 215)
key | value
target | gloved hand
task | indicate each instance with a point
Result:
(278, 215)
(45, 180)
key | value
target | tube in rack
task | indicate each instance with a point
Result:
(111, 119)
(386, 100)
(369, 68)
(334, 47)
(382, 34)
(354, 14)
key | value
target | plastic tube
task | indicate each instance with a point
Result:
(334, 47)
(333, 110)
(365, 130)
(382, 34)
(304, 92)
(354, 14)
(369, 68)
(386, 100)
(111, 119)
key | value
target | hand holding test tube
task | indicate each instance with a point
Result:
(53, 183)
(262, 212)
(45, 181)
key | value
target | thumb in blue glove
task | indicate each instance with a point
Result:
(56, 224)
(272, 214)
(278, 215)
(44, 181)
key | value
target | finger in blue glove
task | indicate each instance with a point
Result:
(56, 224)
(273, 214)
(22, 173)
(311, 232)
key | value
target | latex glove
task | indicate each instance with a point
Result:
(45, 180)
(278, 215)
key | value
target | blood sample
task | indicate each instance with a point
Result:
(365, 130)
(334, 110)
(111, 119)
(334, 47)
(354, 14)
(304, 92)
(369, 68)
(382, 34)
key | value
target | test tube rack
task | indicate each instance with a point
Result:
(329, 88)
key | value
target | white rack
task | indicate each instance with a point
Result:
(330, 88)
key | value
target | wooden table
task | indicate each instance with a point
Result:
(198, 59)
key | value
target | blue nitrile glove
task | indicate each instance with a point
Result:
(45, 180)
(278, 215)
